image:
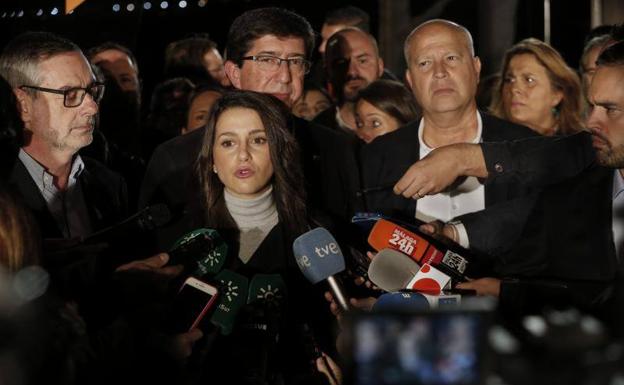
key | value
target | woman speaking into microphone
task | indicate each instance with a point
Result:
(251, 190)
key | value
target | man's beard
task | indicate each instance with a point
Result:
(613, 157)
(351, 94)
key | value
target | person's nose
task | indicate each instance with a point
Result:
(593, 119)
(354, 69)
(243, 152)
(283, 72)
(439, 69)
(89, 105)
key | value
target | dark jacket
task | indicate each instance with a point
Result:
(387, 158)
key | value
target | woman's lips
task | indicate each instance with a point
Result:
(244, 173)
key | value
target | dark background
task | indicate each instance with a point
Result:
(147, 32)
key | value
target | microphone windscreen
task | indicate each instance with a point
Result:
(401, 301)
(201, 251)
(318, 255)
(392, 270)
(233, 289)
(267, 288)
(155, 217)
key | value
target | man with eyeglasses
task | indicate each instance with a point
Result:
(57, 98)
(267, 51)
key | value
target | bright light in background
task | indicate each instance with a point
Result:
(201, 3)
(20, 13)
(39, 12)
(116, 7)
(164, 5)
(12, 14)
(54, 11)
(4, 15)
(182, 4)
(147, 5)
(130, 7)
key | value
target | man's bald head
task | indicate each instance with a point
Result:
(432, 26)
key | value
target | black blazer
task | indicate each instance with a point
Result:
(104, 193)
(387, 158)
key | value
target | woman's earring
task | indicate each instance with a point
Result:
(214, 169)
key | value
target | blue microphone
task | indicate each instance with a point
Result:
(401, 301)
(319, 257)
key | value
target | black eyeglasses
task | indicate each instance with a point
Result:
(74, 96)
(272, 63)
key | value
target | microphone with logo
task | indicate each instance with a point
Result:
(394, 271)
(267, 295)
(319, 257)
(262, 319)
(201, 252)
(421, 248)
(233, 289)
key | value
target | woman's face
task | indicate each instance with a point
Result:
(372, 122)
(241, 153)
(528, 95)
(311, 104)
(199, 110)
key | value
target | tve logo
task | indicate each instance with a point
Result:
(318, 254)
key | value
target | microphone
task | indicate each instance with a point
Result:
(201, 252)
(269, 289)
(267, 294)
(401, 301)
(145, 220)
(391, 270)
(319, 258)
(394, 271)
(233, 290)
(418, 246)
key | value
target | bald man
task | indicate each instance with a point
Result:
(443, 73)
(352, 63)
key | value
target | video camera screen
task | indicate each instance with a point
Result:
(442, 347)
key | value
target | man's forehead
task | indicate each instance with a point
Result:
(271, 43)
(67, 68)
(438, 36)
(607, 84)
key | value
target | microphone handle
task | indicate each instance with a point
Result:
(337, 293)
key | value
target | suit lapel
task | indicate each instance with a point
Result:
(27, 189)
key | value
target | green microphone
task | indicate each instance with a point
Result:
(233, 289)
(200, 251)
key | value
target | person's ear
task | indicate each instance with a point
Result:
(24, 105)
(477, 65)
(380, 68)
(556, 98)
(408, 78)
(233, 72)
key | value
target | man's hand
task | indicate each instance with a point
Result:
(440, 229)
(181, 345)
(156, 264)
(329, 368)
(440, 169)
(483, 286)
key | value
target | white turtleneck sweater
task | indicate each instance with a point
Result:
(254, 217)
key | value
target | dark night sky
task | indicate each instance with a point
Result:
(147, 32)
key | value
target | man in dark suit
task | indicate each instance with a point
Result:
(266, 51)
(57, 100)
(443, 73)
(572, 217)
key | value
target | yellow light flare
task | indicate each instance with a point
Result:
(70, 5)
